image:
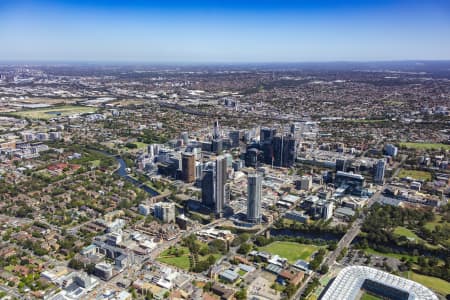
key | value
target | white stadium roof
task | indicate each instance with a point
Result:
(348, 283)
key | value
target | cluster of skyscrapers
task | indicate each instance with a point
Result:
(212, 176)
(274, 149)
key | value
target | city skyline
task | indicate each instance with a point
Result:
(224, 32)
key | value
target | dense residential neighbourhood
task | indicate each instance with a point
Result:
(225, 182)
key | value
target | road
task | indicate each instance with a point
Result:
(344, 242)
(399, 167)
(11, 292)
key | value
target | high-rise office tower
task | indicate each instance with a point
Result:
(216, 130)
(217, 146)
(290, 151)
(235, 137)
(328, 210)
(208, 185)
(188, 167)
(221, 179)
(217, 142)
(251, 158)
(266, 134)
(293, 128)
(379, 171)
(185, 137)
(254, 184)
(213, 185)
(284, 151)
(391, 150)
(341, 165)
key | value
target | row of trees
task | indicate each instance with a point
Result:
(197, 249)
(378, 229)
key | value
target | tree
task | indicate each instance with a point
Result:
(324, 269)
(75, 264)
(207, 287)
(244, 248)
(241, 294)
(290, 290)
(217, 246)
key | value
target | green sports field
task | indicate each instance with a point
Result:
(425, 146)
(53, 112)
(415, 174)
(290, 250)
(367, 296)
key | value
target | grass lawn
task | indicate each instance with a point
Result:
(140, 145)
(9, 268)
(425, 146)
(181, 262)
(437, 221)
(52, 112)
(95, 163)
(400, 230)
(393, 255)
(290, 250)
(367, 296)
(439, 285)
(417, 175)
(403, 231)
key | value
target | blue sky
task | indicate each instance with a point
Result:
(224, 31)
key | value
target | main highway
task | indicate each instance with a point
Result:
(344, 242)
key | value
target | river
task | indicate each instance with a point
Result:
(122, 172)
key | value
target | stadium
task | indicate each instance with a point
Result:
(351, 281)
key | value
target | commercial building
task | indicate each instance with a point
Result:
(254, 184)
(208, 185)
(251, 158)
(188, 167)
(328, 211)
(342, 165)
(304, 183)
(165, 211)
(235, 137)
(284, 151)
(352, 182)
(213, 185)
(265, 139)
(351, 280)
(229, 276)
(103, 271)
(296, 216)
(379, 171)
(391, 150)
(144, 209)
(266, 135)
(217, 146)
